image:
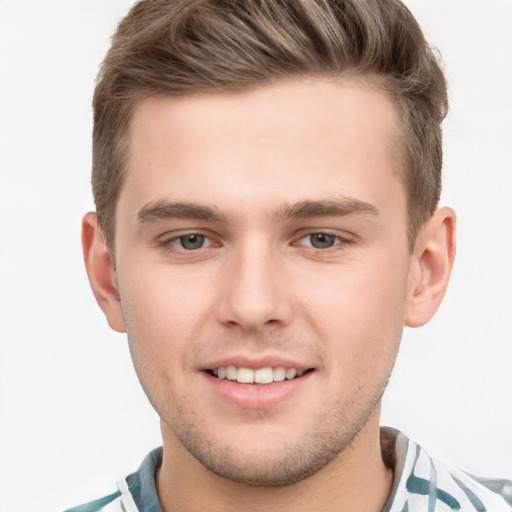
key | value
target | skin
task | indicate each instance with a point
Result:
(269, 173)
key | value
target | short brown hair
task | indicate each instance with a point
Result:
(182, 47)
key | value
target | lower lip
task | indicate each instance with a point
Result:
(256, 396)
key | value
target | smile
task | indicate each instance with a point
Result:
(266, 375)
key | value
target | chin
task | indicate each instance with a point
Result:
(272, 468)
(267, 458)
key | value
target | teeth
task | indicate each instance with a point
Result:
(245, 375)
(231, 373)
(290, 373)
(265, 375)
(279, 373)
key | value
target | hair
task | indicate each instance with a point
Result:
(184, 47)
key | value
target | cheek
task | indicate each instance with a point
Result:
(164, 299)
(360, 315)
(161, 317)
(164, 312)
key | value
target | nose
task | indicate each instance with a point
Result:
(254, 295)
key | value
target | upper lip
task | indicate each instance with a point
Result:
(255, 362)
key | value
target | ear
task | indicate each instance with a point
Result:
(431, 266)
(101, 272)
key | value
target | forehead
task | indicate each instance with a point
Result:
(283, 143)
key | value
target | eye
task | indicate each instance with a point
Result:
(322, 240)
(191, 241)
(186, 242)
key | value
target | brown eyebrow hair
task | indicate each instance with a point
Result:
(158, 210)
(180, 210)
(325, 208)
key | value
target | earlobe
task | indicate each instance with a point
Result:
(100, 271)
(432, 263)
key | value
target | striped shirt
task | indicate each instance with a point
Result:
(420, 484)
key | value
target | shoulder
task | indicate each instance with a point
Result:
(424, 483)
(136, 492)
(499, 486)
(111, 503)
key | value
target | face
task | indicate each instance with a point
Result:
(263, 236)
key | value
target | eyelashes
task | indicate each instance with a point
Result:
(320, 240)
(198, 241)
(191, 241)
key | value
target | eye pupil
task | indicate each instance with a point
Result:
(192, 241)
(322, 240)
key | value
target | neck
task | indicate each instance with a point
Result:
(357, 479)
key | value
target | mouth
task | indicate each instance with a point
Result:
(265, 375)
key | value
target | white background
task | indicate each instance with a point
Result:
(72, 418)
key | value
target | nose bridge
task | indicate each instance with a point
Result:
(253, 292)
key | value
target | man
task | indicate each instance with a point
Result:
(266, 177)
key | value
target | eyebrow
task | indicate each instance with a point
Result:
(326, 208)
(162, 210)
